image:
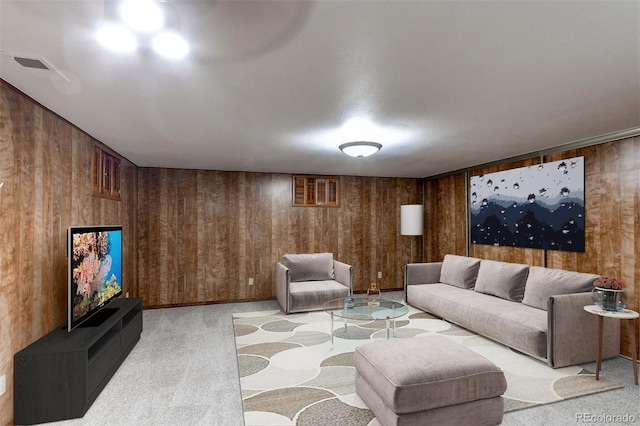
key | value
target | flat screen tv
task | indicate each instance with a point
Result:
(95, 270)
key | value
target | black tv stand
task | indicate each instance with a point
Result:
(60, 375)
(99, 317)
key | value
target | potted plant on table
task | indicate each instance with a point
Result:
(608, 294)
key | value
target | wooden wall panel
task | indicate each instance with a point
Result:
(445, 217)
(10, 279)
(612, 184)
(226, 227)
(44, 168)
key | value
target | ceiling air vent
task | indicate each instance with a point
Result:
(31, 63)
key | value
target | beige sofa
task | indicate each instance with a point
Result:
(305, 282)
(534, 310)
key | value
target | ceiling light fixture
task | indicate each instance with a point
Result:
(142, 15)
(360, 149)
(116, 38)
(134, 23)
(171, 45)
(169, 42)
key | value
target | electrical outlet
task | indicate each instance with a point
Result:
(3, 384)
(127, 295)
(379, 274)
(250, 281)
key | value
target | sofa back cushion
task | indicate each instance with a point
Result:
(310, 267)
(505, 280)
(543, 283)
(459, 271)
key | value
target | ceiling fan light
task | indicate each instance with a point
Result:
(142, 15)
(116, 38)
(171, 45)
(360, 149)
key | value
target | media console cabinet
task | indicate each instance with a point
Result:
(59, 376)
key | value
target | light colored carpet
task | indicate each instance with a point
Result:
(290, 373)
(184, 371)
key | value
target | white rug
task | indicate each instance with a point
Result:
(291, 374)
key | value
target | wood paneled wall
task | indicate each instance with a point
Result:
(612, 185)
(445, 212)
(45, 172)
(202, 234)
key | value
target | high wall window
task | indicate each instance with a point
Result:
(105, 174)
(316, 191)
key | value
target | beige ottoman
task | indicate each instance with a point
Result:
(428, 380)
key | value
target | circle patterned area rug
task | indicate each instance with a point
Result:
(291, 374)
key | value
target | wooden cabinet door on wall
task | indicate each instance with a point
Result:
(314, 191)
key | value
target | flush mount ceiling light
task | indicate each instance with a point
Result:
(142, 15)
(170, 44)
(116, 38)
(151, 23)
(360, 149)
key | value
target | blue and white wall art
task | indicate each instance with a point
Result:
(539, 206)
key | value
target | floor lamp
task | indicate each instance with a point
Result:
(412, 222)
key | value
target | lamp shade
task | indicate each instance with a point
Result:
(411, 219)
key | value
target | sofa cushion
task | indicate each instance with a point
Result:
(519, 326)
(543, 283)
(310, 267)
(501, 279)
(308, 295)
(459, 271)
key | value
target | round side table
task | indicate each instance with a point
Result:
(627, 314)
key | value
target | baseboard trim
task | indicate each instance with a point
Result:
(219, 302)
(209, 302)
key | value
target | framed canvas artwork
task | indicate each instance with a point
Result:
(539, 206)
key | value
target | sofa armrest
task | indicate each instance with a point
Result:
(422, 273)
(344, 274)
(572, 332)
(283, 278)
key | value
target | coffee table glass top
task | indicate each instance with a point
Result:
(363, 309)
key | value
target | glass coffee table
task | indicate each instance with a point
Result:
(364, 308)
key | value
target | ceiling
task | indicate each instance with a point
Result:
(277, 86)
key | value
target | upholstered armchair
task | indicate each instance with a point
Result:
(304, 282)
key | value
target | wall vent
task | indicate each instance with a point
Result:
(31, 63)
(36, 64)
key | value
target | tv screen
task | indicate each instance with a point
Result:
(95, 270)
